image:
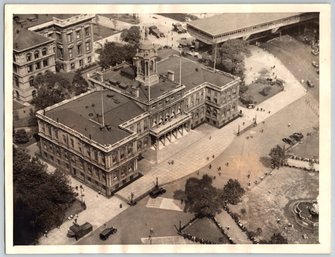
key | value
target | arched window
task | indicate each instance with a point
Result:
(33, 93)
(44, 51)
(31, 81)
(36, 54)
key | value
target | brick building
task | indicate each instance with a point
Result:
(33, 54)
(98, 137)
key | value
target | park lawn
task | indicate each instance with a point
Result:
(309, 148)
(254, 91)
(206, 229)
(269, 200)
(102, 32)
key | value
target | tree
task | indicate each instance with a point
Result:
(232, 191)
(201, 197)
(277, 238)
(131, 35)
(278, 156)
(40, 199)
(21, 136)
(80, 85)
(112, 54)
(231, 56)
(51, 88)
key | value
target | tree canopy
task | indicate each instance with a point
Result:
(232, 191)
(202, 198)
(113, 54)
(278, 156)
(51, 88)
(40, 199)
(131, 35)
(80, 85)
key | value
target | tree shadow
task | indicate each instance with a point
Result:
(266, 161)
(179, 195)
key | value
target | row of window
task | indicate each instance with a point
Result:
(36, 54)
(161, 119)
(37, 65)
(78, 34)
(167, 100)
(72, 50)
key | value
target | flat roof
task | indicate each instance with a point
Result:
(227, 22)
(25, 39)
(31, 20)
(156, 90)
(192, 73)
(83, 114)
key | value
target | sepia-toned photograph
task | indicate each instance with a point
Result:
(173, 129)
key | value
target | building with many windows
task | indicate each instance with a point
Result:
(98, 137)
(73, 38)
(33, 54)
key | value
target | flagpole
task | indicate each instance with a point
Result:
(102, 109)
(214, 57)
(179, 67)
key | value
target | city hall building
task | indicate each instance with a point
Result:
(99, 136)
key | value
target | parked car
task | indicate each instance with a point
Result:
(310, 84)
(298, 134)
(78, 231)
(157, 191)
(295, 137)
(288, 141)
(107, 232)
(315, 64)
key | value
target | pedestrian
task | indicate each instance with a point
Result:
(120, 205)
(46, 233)
(210, 166)
(207, 158)
(289, 124)
(228, 227)
(213, 156)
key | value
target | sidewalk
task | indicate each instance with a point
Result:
(234, 232)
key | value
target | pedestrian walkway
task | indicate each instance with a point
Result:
(173, 240)
(231, 229)
(302, 164)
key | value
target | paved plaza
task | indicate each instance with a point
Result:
(165, 204)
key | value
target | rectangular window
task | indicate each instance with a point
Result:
(81, 63)
(79, 49)
(69, 37)
(71, 53)
(89, 59)
(44, 51)
(30, 68)
(73, 66)
(60, 52)
(59, 36)
(45, 63)
(64, 139)
(87, 31)
(88, 47)
(78, 34)
(37, 65)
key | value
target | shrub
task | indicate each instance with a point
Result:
(21, 137)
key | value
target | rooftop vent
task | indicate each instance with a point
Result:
(196, 69)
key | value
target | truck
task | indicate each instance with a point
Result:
(78, 231)
(179, 28)
(155, 31)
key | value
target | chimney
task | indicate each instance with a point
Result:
(170, 75)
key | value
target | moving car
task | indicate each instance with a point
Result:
(298, 134)
(179, 28)
(155, 31)
(156, 191)
(107, 232)
(295, 137)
